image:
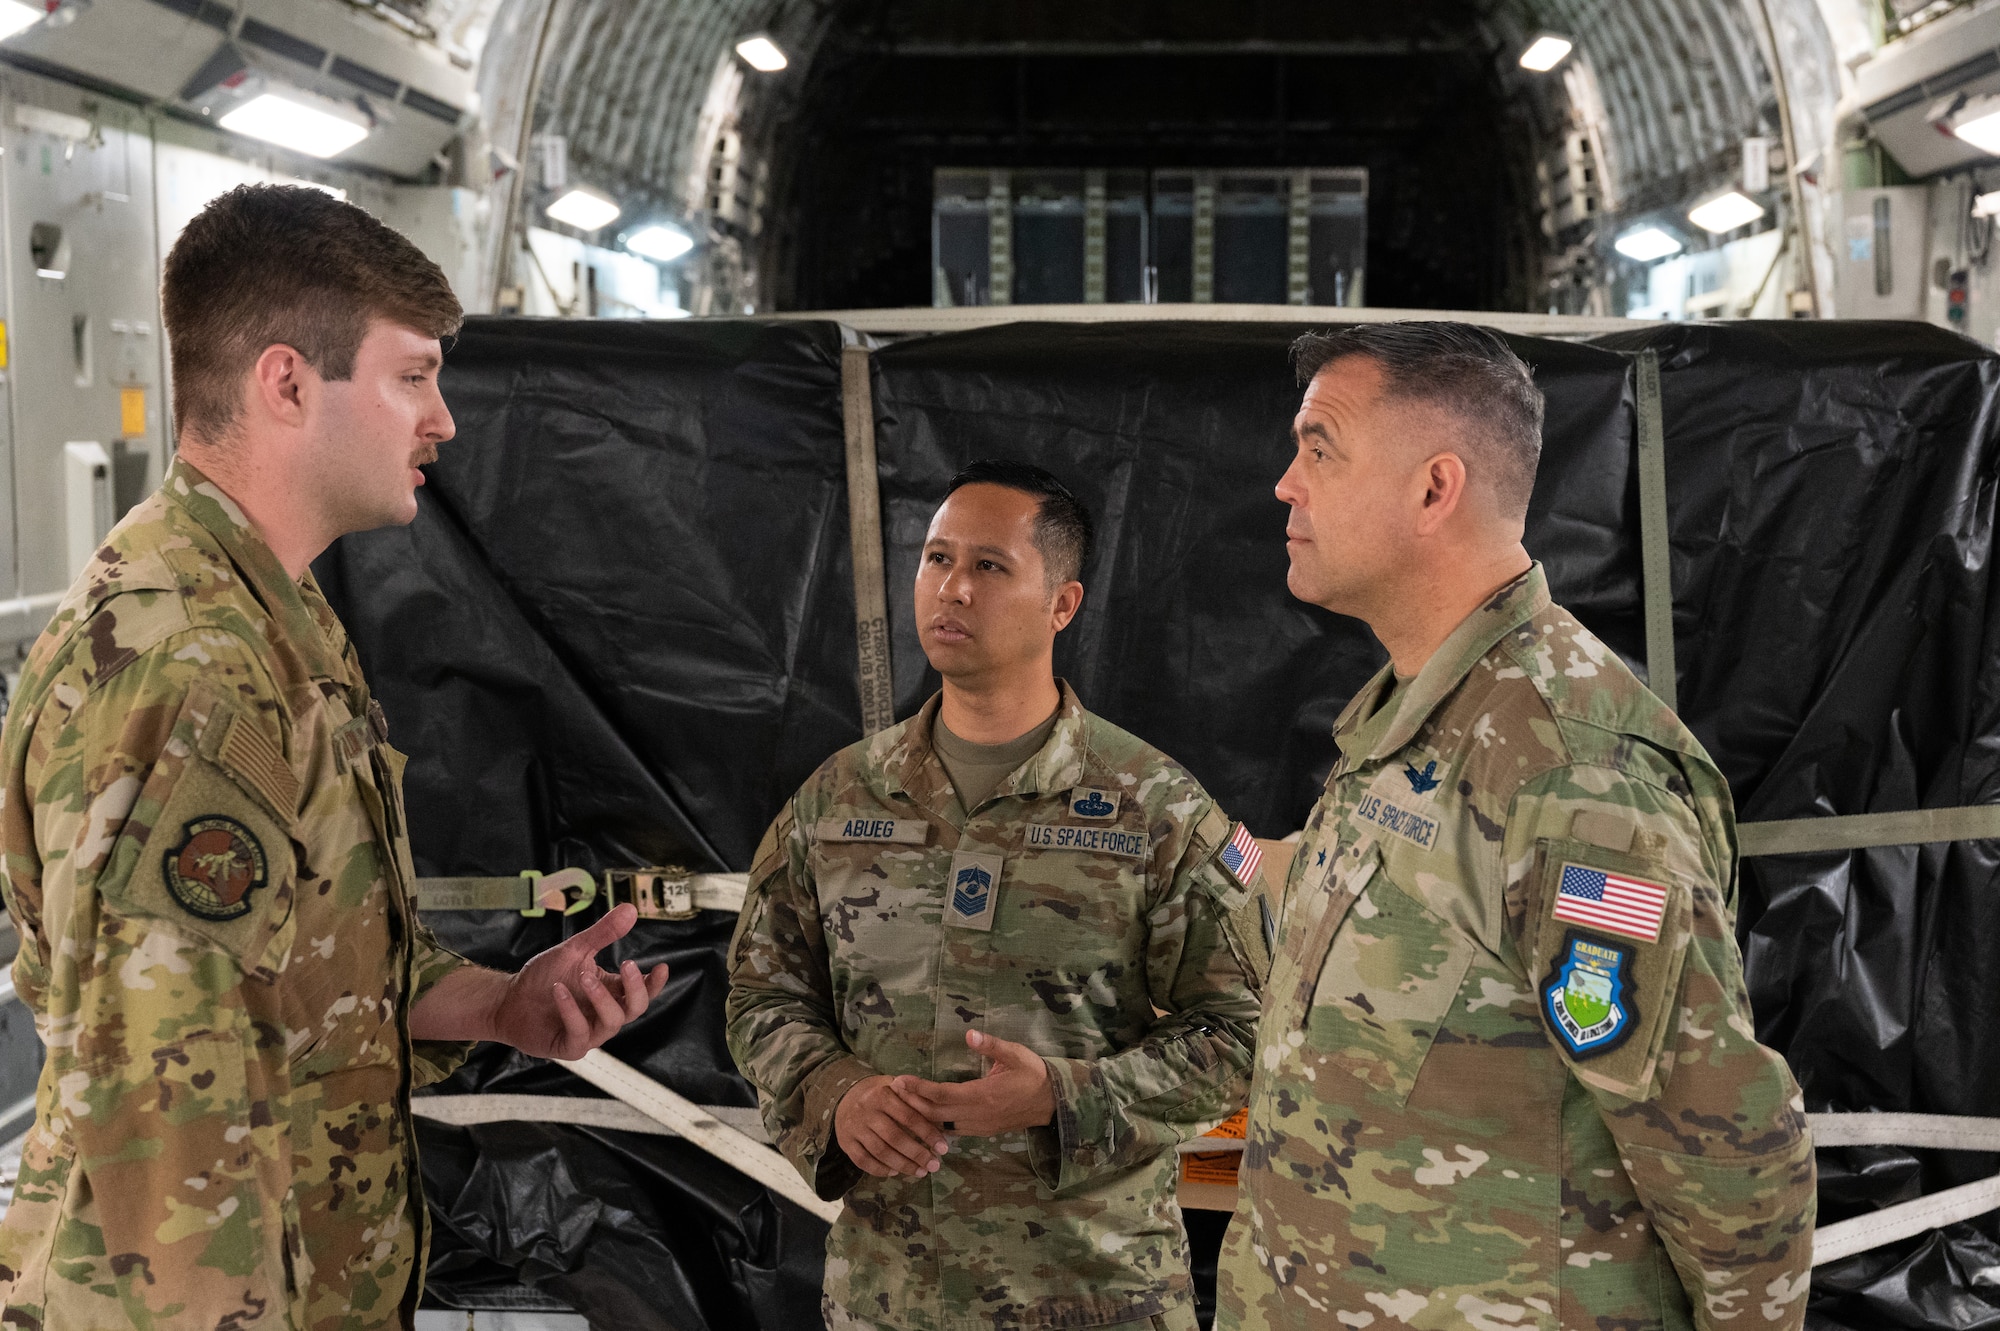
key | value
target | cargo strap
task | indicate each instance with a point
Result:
(577, 1111)
(1655, 552)
(530, 892)
(753, 1159)
(1790, 836)
(659, 894)
(1938, 1132)
(1793, 836)
(864, 532)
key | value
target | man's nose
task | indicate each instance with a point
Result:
(1288, 488)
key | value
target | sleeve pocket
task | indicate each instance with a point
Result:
(1391, 976)
(207, 851)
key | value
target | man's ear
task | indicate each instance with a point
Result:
(1444, 490)
(1068, 600)
(278, 385)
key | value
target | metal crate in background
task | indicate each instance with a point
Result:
(1056, 236)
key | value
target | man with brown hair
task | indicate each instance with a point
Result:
(203, 835)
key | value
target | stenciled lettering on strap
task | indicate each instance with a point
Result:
(1656, 563)
(864, 529)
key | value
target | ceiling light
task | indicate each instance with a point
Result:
(17, 17)
(294, 125)
(1646, 244)
(1546, 52)
(761, 53)
(1981, 130)
(662, 244)
(1987, 205)
(340, 194)
(1725, 212)
(586, 210)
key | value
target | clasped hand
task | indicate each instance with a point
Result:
(902, 1125)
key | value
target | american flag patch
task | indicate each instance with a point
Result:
(1612, 902)
(1242, 855)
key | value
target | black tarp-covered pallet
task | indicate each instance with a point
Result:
(621, 632)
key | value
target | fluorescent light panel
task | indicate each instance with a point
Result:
(1646, 244)
(1982, 132)
(761, 53)
(1725, 213)
(1546, 52)
(583, 209)
(662, 244)
(17, 17)
(294, 125)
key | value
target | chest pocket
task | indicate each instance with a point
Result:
(1391, 975)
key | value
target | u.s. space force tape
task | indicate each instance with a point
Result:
(705, 891)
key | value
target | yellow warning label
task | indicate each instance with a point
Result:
(3, 344)
(132, 411)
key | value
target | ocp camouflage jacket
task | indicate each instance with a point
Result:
(205, 857)
(1506, 1075)
(1110, 901)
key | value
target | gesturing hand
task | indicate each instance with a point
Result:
(883, 1134)
(1013, 1094)
(538, 1012)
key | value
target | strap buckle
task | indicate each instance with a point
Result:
(553, 890)
(660, 893)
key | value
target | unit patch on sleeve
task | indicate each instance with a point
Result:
(974, 890)
(899, 831)
(1093, 805)
(1586, 1001)
(1615, 903)
(1103, 840)
(215, 868)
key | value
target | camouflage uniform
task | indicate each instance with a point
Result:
(205, 856)
(883, 923)
(1506, 1075)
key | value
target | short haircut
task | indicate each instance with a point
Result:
(1467, 371)
(1063, 529)
(268, 264)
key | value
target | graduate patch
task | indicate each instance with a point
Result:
(215, 868)
(1586, 1000)
(974, 890)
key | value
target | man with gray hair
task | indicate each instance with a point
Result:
(1506, 1074)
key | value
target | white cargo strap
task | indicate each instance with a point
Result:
(1937, 1132)
(576, 1111)
(1655, 551)
(864, 533)
(688, 1120)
